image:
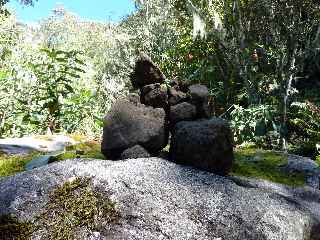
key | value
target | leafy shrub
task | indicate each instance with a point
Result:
(304, 128)
(54, 78)
(254, 123)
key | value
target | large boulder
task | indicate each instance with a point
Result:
(205, 144)
(305, 166)
(128, 124)
(146, 72)
(153, 199)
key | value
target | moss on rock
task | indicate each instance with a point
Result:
(72, 206)
(11, 228)
(76, 205)
(318, 160)
(251, 162)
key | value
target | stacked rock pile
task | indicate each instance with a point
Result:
(140, 125)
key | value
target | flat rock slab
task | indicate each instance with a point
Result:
(26, 145)
(158, 199)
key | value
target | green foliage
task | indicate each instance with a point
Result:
(255, 124)
(304, 125)
(54, 75)
(266, 165)
(249, 55)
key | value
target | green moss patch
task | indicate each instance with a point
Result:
(318, 160)
(12, 164)
(250, 162)
(11, 228)
(72, 206)
(75, 204)
(78, 137)
(91, 149)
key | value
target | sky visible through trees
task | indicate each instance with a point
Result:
(110, 10)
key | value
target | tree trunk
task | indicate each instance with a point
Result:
(288, 86)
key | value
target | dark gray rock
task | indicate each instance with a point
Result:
(146, 72)
(199, 97)
(202, 110)
(184, 86)
(203, 144)
(148, 88)
(198, 93)
(127, 125)
(135, 152)
(157, 199)
(154, 95)
(182, 112)
(176, 97)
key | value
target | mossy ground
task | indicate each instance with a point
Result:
(256, 163)
(76, 137)
(12, 164)
(71, 206)
(90, 149)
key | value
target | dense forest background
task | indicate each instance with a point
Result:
(259, 58)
